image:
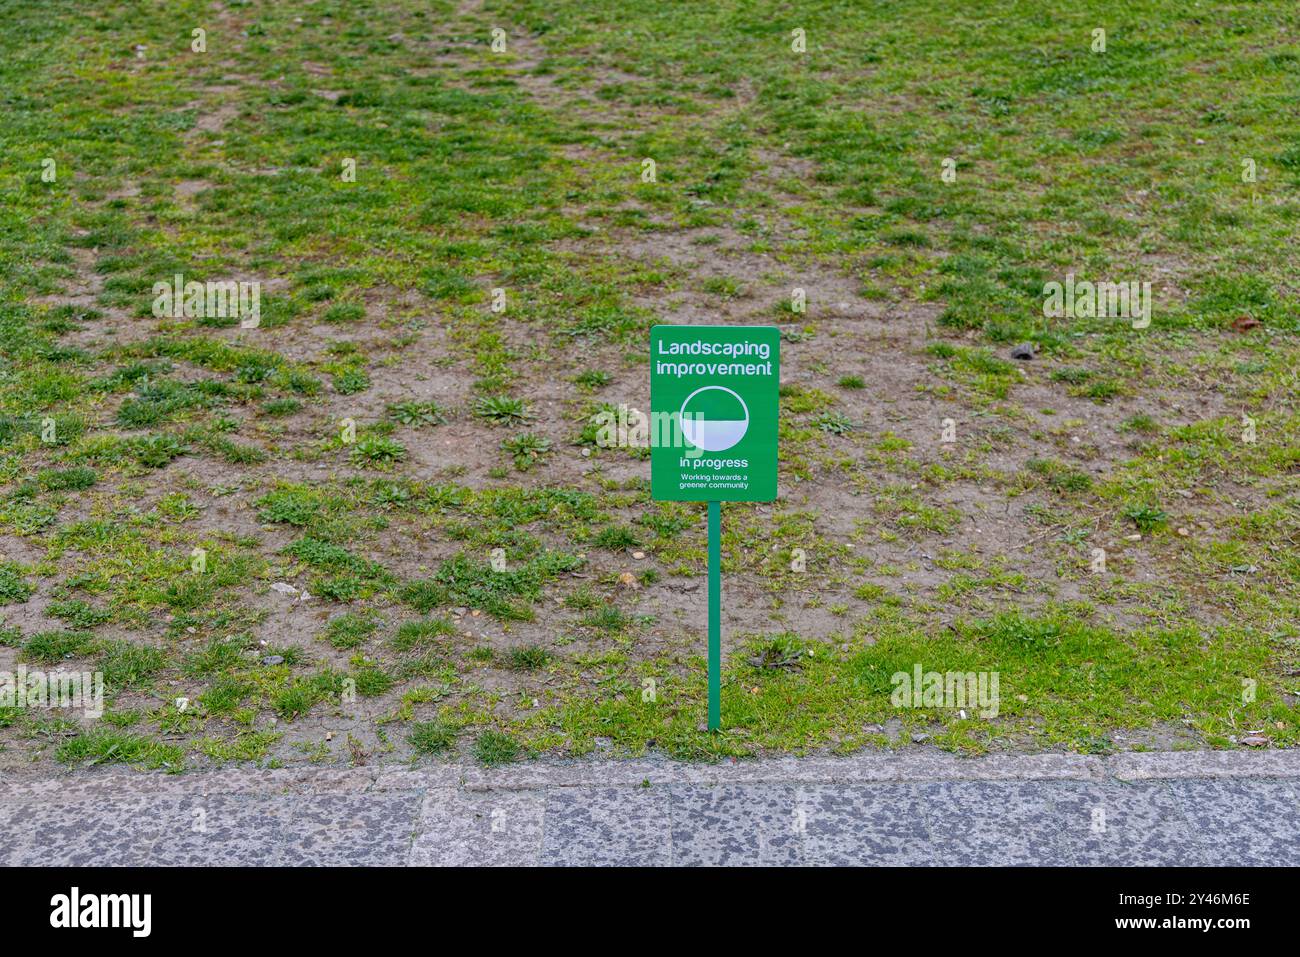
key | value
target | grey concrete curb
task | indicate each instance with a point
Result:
(919, 766)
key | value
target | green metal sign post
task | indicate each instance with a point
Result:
(713, 412)
(715, 615)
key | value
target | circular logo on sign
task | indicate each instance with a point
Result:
(714, 418)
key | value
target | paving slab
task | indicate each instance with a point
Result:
(734, 825)
(483, 828)
(1128, 825)
(607, 826)
(1243, 822)
(863, 826)
(336, 830)
(207, 830)
(996, 823)
(104, 833)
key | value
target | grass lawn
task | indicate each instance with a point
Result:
(378, 526)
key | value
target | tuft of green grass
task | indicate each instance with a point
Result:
(246, 746)
(526, 449)
(220, 655)
(376, 451)
(416, 634)
(302, 694)
(225, 696)
(723, 286)
(1059, 476)
(609, 619)
(345, 312)
(417, 414)
(615, 538)
(108, 746)
(528, 658)
(1145, 516)
(350, 630)
(1140, 423)
(1102, 390)
(432, 737)
(835, 423)
(592, 379)
(51, 647)
(157, 451)
(297, 505)
(493, 748)
(67, 480)
(780, 652)
(79, 614)
(504, 594)
(501, 409)
(281, 407)
(14, 588)
(127, 665)
(371, 680)
(1071, 376)
(350, 381)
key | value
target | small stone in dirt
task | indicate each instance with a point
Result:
(1024, 350)
(918, 738)
(284, 588)
(459, 611)
(273, 660)
(1255, 741)
(638, 555)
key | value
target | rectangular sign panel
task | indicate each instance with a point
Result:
(713, 413)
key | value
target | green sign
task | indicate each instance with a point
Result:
(713, 428)
(713, 413)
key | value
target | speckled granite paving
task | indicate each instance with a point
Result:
(1200, 808)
